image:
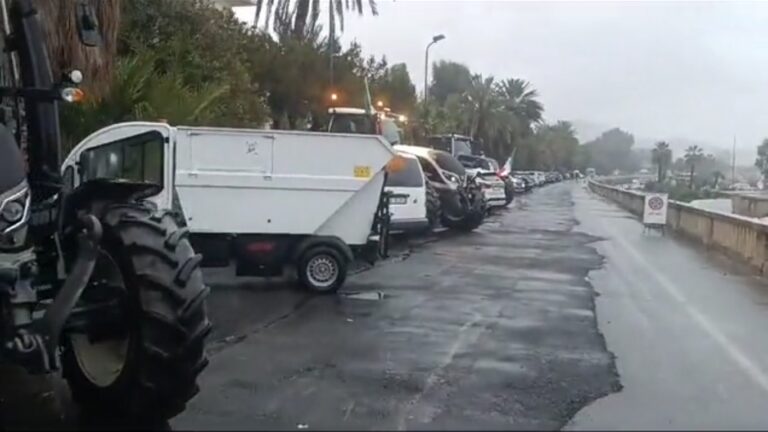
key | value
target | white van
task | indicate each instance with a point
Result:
(407, 196)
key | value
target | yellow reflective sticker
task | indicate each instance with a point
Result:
(362, 171)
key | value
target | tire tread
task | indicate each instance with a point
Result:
(172, 318)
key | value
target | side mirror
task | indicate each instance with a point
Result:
(87, 24)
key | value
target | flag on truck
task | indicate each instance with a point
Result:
(368, 102)
(507, 168)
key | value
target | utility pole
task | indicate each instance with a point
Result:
(331, 38)
(435, 39)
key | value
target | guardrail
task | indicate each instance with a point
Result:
(738, 236)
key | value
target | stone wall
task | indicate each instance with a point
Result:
(738, 236)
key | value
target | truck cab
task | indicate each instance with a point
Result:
(360, 121)
(451, 143)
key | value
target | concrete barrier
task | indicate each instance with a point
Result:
(749, 205)
(736, 235)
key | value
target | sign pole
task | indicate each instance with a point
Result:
(655, 212)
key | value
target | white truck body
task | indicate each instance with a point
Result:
(247, 181)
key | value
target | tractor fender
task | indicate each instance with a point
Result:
(97, 194)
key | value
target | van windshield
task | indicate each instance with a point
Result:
(353, 123)
(136, 158)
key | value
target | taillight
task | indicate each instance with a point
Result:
(260, 247)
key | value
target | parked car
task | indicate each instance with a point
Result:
(519, 184)
(498, 191)
(493, 188)
(462, 205)
(413, 202)
(530, 182)
(489, 168)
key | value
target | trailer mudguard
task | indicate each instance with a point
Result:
(312, 241)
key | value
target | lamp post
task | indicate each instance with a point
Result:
(435, 39)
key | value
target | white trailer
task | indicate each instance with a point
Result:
(265, 198)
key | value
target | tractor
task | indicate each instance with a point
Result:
(96, 281)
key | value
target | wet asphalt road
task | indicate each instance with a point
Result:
(686, 326)
(498, 329)
(494, 329)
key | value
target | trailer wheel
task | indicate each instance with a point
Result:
(148, 368)
(322, 269)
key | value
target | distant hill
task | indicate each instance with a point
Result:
(587, 130)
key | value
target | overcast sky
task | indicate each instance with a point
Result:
(661, 70)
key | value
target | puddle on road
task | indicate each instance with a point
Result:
(368, 295)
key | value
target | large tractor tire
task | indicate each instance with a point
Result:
(469, 222)
(473, 216)
(149, 369)
(434, 209)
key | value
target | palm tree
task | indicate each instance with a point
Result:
(716, 177)
(661, 156)
(140, 91)
(693, 154)
(519, 98)
(65, 50)
(306, 12)
(483, 109)
(761, 162)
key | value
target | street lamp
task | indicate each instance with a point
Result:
(435, 39)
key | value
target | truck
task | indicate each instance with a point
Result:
(452, 143)
(265, 199)
(370, 122)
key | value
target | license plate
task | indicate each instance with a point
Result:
(398, 200)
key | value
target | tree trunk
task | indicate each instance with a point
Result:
(690, 181)
(58, 19)
(300, 20)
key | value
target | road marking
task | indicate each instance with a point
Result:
(461, 340)
(740, 358)
(349, 409)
